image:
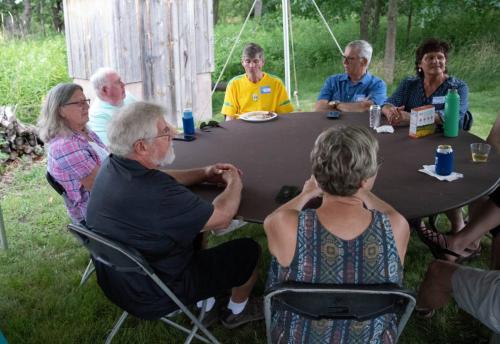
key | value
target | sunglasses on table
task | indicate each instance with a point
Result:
(211, 124)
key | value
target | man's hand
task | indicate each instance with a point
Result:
(232, 176)
(215, 173)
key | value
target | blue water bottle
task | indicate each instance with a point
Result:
(188, 121)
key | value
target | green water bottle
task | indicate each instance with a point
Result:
(451, 113)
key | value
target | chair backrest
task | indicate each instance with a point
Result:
(467, 121)
(341, 301)
(111, 253)
(55, 185)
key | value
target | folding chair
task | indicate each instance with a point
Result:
(340, 301)
(60, 190)
(127, 260)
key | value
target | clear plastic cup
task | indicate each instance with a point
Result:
(480, 151)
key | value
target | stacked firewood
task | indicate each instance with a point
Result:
(17, 139)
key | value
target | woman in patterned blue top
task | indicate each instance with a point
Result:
(353, 237)
(429, 87)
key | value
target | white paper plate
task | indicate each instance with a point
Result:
(258, 116)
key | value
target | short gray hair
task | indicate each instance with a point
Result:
(100, 78)
(342, 158)
(50, 122)
(252, 50)
(131, 123)
(365, 49)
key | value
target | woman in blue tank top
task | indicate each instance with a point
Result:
(353, 237)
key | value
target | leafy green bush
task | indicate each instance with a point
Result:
(29, 69)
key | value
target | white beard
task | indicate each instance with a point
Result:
(168, 159)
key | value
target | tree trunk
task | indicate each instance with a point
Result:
(364, 19)
(57, 13)
(215, 4)
(408, 25)
(257, 11)
(390, 41)
(376, 21)
(26, 19)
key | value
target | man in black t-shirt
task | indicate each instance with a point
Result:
(153, 211)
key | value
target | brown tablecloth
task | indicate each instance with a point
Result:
(276, 153)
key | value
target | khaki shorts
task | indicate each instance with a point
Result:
(478, 293)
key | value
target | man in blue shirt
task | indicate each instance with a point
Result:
(111, 95)
(356, 89)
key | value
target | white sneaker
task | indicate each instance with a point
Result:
(235, 224)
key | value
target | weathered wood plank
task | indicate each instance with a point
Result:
(166, 45)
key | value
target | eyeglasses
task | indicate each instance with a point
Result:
(80, 103)
(164, 133)
(349, 58)
(210, 124)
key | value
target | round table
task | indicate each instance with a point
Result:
(276, 153)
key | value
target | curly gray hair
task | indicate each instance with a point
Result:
(342, 158)
(50, 123)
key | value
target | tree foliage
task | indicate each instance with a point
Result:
(23, 17)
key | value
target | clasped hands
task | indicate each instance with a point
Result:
(396, 115)
(222, 174)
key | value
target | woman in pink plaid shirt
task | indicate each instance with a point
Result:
(75, 153)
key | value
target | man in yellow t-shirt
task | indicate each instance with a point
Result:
(255, 90)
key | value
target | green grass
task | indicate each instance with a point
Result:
(29, 69)
(40, 300)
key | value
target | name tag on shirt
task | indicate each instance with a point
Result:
(438, 100)
(359, 97)
(265, 90)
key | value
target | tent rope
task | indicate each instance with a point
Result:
(328, 27)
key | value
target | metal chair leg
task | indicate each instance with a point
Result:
(88, 271)
(116, 327)
(195, 328)
(185, 330)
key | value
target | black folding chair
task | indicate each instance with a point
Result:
(60, 190)
(340, 301)
(127, 260)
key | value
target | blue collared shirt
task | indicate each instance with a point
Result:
(411, 94)
(339, 87)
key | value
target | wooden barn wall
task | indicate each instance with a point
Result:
(157, 53)
(102, 33)
(167, 45)
(204, 36)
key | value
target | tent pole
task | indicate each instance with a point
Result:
(286, 43)
(3, 236)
